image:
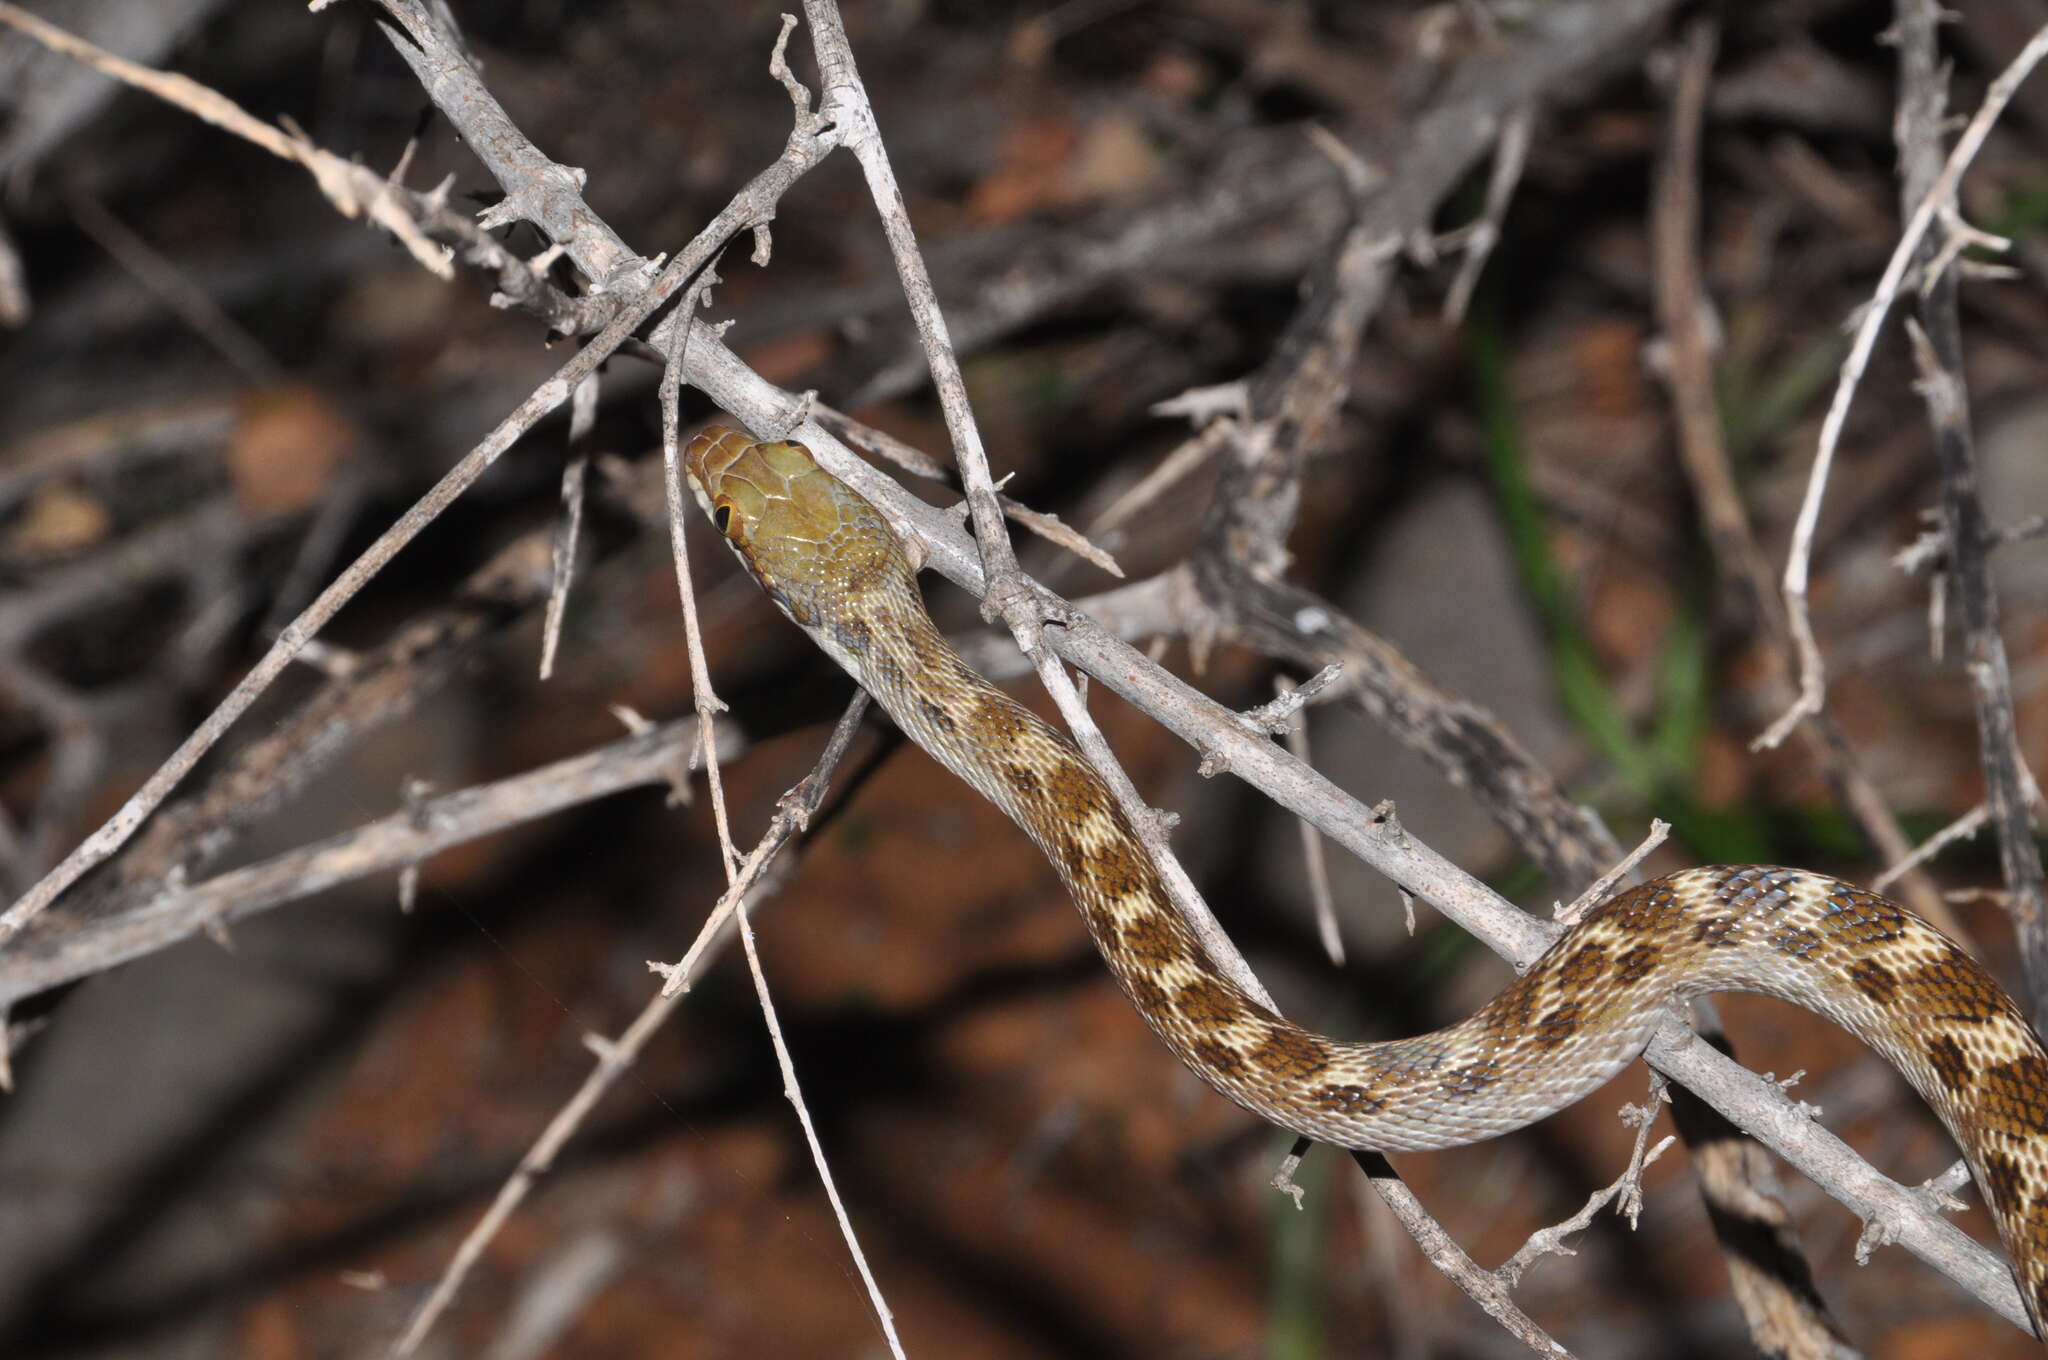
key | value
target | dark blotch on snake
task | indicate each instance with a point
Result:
(1952, 1066)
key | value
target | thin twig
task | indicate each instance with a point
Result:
(615, 1056)
(1961, 829)
(916, 462)
(349, 187)
(707, 703)
(1186, 458)
(537, 189)
(1812, 670)
(794, 1093)
(1551, 1241)
(1938, 356)
(1509, 156)
(176, 291)
(178, 911)
(1483, 1287)
(1313, 858)
(1597, 891)
(582, 417)
(1684, 316)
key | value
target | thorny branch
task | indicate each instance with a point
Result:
(749, 208)
(1759, 1246)
(706, 362)
(1684, 314)
(1938, 354)
(1936, 202)
(616, 1056)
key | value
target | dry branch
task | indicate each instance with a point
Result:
(615, 1057)
(749, 208)
(173, 913)
(1938, 353)
(705, 361)
(1937, 200)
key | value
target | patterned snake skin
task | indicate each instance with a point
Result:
(1583, 1012)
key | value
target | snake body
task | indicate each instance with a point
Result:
(828, 558)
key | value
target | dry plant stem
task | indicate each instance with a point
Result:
(1190, 454)
(916, 462)
(1759, 1245)
(1313, 859)
(171, 287)
(1939, 197)
(1398, 1302)
(1509, 156)
(794, 1094)
(1605, 884)
(567, 529)
(1683, 309)
(374, 689)
(614, 1056)
(1767, 1268)
(1257, 177)
(1550, 1241)
(1152, 611)
(707, 703)
(582, 418)
(1789, 1129)
(844, 95)
(188, 548)
(343, 497)
(408, 836)
(350, 188)
(751, 206)
(1483, 1287)
(845, 100)
(537, 189)
(1938, 351)
(1239, 567)
(1236, 576)
(557, 1293)
(1961, 829)
(533, 184)
(300, 631)
(108, 444)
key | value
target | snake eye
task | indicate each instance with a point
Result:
(721, 515)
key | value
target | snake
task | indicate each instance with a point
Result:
(1584, 1010)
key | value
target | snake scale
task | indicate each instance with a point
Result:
(828, 558)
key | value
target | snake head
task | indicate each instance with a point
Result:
(818, 547)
